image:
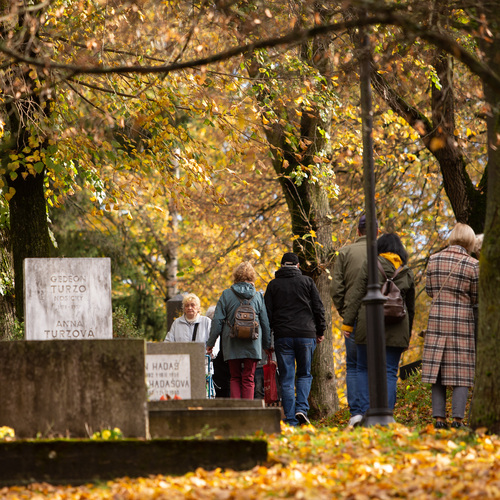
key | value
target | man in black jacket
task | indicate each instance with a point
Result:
(297, 319)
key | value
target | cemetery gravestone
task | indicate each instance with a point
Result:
(67, 299)
(63, 388)
(174, 309)
(175, 369)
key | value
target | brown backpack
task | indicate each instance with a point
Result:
(394, 306)
(246, 325)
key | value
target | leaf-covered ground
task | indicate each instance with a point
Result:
(322, 463)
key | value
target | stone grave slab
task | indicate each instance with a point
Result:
(176, 369)
(63, 388)
(79, 462)
(67, 299)
(219, 417)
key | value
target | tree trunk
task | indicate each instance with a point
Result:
(24, 117)
(7, 309)
(308, 205)
(323, 398)
(486, 402)
(29, 229)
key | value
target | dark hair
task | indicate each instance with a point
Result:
(391, 242)
(362, 224)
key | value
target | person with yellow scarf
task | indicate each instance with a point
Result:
(392, 255)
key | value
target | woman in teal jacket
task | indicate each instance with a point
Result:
(242, 355)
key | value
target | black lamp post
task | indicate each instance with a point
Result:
(379, 411)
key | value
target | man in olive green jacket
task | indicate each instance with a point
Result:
(345, 272)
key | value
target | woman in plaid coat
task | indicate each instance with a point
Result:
(449, 350)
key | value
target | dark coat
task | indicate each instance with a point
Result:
(449, 341)
(234, 348)
(294, 306)
(345, 272)
(396, 334)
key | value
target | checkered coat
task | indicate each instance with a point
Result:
(449, 342)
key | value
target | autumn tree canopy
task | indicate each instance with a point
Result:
(200, 133)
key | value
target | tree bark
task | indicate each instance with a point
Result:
(486, 401)
(7, 309)
(29, 229)
(29, 232)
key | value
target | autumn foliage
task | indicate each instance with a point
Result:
(328, 460)
(323, 463)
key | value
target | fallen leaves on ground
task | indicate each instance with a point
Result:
(324, 463)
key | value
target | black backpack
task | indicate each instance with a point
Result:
(394, 306)
(246, 325)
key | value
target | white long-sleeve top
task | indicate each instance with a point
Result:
(182, 330)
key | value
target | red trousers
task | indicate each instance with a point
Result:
(242, 378)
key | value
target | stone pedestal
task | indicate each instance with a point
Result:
(212, 417)
(65, 388)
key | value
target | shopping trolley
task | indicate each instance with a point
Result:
(209, 383)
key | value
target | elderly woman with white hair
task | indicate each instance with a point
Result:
(191, 326)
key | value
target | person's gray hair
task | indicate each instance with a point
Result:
(478, 244)
(210, 312)
(191, 297)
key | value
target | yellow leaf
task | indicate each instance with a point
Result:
(196, 262)
(10, 194)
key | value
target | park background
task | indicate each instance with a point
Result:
(180, 138)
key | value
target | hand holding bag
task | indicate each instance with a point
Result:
(270, 386)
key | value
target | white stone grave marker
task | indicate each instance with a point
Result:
(67, 299)
(168, 375)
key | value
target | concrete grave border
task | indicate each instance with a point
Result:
(78, 462)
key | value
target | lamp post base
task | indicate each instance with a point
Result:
(378, 416)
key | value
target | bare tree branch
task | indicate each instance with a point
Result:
(440, 40)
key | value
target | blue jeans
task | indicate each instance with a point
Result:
(393, 355)
(295, 386)
(351, 360)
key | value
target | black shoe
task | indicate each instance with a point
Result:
(457, 425)
(441, 425)
(302, 418)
